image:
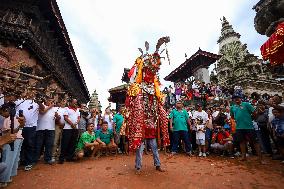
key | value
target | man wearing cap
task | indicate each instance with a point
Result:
(179, 122)
(242, 113)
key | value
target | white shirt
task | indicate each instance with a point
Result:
(61, 112)
(270, 114)
(200, 134)
(30, 110)
(7, 125)
(215, 114)
(189, 114)
(108, 119)
(1, 99)
(47, 120)
(73, 116)
(202, 114)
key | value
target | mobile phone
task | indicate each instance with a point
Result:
(21, 113)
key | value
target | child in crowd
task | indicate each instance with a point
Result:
(200, 136)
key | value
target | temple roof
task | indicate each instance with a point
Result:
(59, 26)
(119, 88)
(118, 94)
(200, 59)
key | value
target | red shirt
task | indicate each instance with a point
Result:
(220, 136)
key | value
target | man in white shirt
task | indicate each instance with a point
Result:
(70, 132)
(45, 131)
(30, 111)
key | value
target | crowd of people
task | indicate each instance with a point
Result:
(209, 118)
(203, 119)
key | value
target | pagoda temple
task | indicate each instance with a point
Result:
(197, 66)
(118, 93)
(239, 67)
(33, 37)
(94, 102)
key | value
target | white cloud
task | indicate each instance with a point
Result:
(107, 33)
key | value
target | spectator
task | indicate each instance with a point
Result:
(200, 136)
(222, 141)
(242, 112)
(84, 114)
(124, 132)
(199, 113)
(58, 129)
(117, 123)
(11, 152)
(262, 122)
(45, 131)
(278, 128)
(70, 132)
(105, 138)
(179, 122)
(108, 118)
(87, 144)
(94, 118)
(5, 140)
(30, 111)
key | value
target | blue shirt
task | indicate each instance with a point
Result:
(278, 126)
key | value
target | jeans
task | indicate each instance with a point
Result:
(44, 138)
(11, 159)
(68, 143)
(139, 152)
(265, 140)
(28, 147)
(177, 135)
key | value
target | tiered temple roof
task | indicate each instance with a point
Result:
(200, 59)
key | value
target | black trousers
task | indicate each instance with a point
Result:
(28, 147)
(44, 138)
(68, 143)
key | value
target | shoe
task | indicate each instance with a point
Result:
(3, 184)
(200, 154)
(28, 167)
(60, 161)
(50, 162)
(237, 154)
(189, 153)
(158, 168)
(138, 171)
(276, 157)
(204, 154)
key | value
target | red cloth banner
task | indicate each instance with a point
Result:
(273, 48)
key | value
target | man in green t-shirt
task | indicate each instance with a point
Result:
(87, 144)
(117, 123)
(242, 113)
(179, 122)
(105, 138)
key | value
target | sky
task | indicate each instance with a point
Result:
(106, 34)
